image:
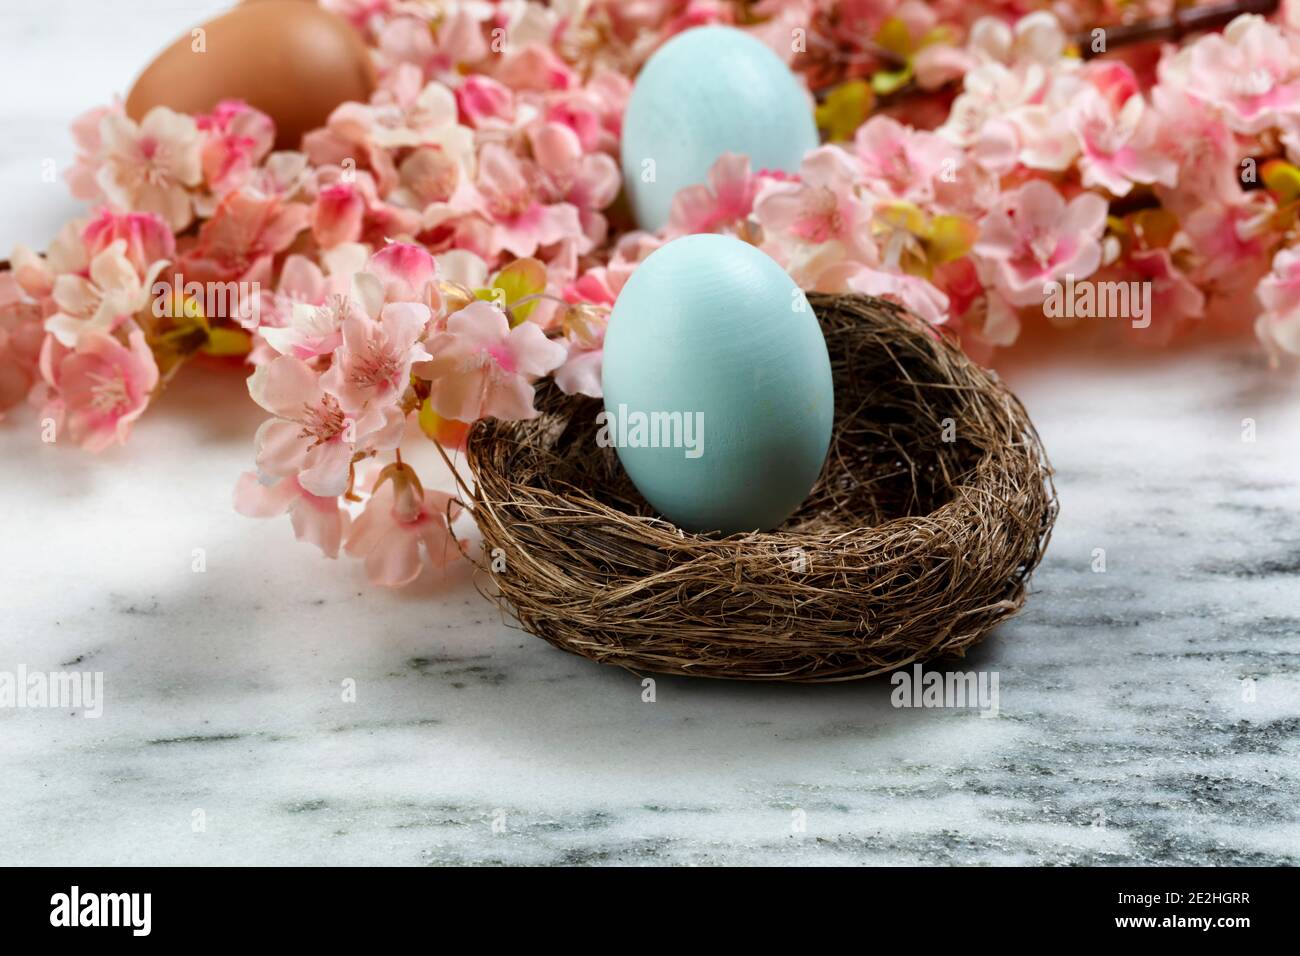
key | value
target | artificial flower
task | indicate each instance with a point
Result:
(99, 387)
(236, 138)
(400, 520)
(727, 199)
(372, 365)
(1034, 237)
(153, 165)
(1278, 326)
(319, 521)
(99, 302)
(1118, 146)
(902, 163)
(313, 436)
(521, 221)
(480, 367)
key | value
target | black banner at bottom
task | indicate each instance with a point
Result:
(333, 906)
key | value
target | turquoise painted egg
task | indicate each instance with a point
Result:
(709, 91)
(718, 397)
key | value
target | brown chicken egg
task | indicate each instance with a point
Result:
(291, 59)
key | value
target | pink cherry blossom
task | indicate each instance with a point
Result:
(1115, 80)
(82, 174)
(822, 205)
(99, 302)
(148, 238)
(590, 181)
(1119, 145)
(480, 367)
(819, 226)
(993, 91)
(361, 13)
(989, 92)
(373, 364)
(449, 227)
(726, 200)
(1047, 139)
(584, 330)
(342, 149)
(581, 372)
(314, 325)
(593, 111)
(1019, 95)
(959, 281)
(587, 114)
(1033, 39)
(1230, 240)
(314, 328)
(1034, 236)
(284, 174)
(485, 102)
(1202, 145)
(493, 135)
(242, 238)
(319, 521)
(406, 272)
(303, 283)
(1174, 297)
(999, 322)
(36, 273)
(348, 209)
(21, 334)
(408, 112)
(151, 167)
(1280, 290)
(313, 436)
(939, 63)
(459, 41)
(99, 388)
(903, 163)
(235, 138)
(462, 268)
(398, 519)
(913, 293)
(1278, 326)
(594, 286)
(338, 214)
(428, 175)
(521, 222)
(535, 68)
(1251, 71)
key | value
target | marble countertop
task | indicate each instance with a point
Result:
(1147, 714)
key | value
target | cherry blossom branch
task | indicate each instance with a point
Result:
(1183, 22)
(406, 259)
(1173, 27)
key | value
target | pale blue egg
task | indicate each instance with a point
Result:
(718, 394)
(709, 91)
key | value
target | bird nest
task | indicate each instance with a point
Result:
(934, 506)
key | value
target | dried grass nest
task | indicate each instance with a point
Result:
(909, 548)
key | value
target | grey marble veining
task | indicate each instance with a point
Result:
(1126, 729)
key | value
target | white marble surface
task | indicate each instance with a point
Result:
(1124, 733)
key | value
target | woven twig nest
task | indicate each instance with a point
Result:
(935, 504)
